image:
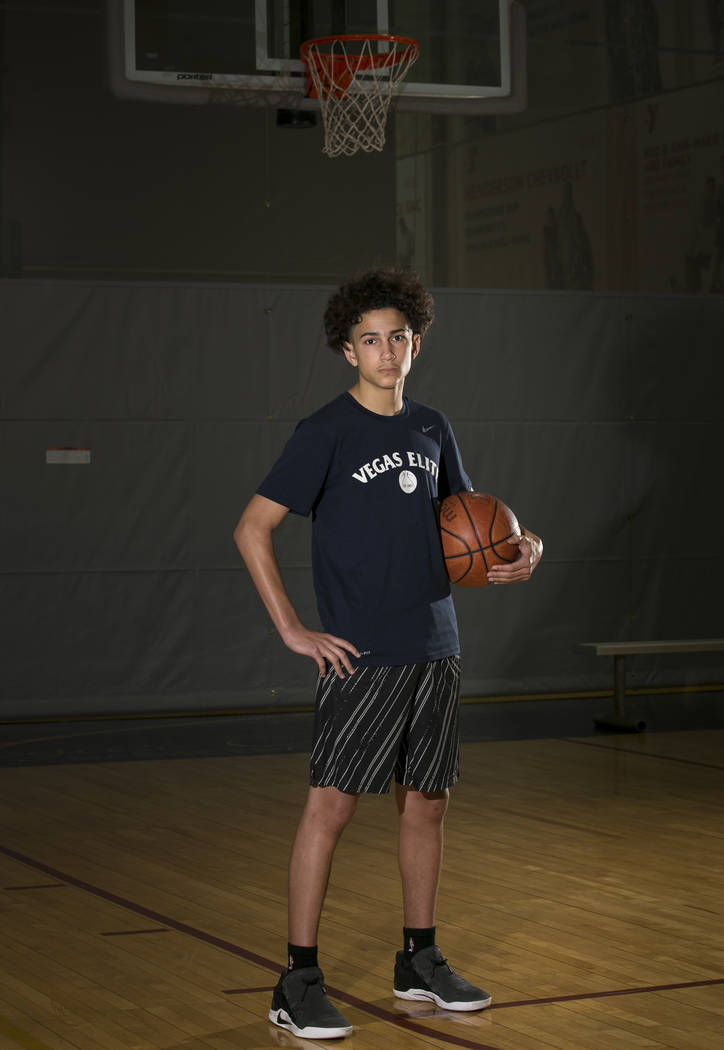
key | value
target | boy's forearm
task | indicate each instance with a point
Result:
(256, 547)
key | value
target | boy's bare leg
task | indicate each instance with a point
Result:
(421, 971)
(326, 814)
(420, 852)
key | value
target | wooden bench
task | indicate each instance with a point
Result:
(620, 650)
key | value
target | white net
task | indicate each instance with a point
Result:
(355, 80)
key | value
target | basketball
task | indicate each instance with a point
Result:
(475, 528)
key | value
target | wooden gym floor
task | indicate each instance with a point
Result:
(143, 902)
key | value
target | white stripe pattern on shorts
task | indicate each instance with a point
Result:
(385, 720)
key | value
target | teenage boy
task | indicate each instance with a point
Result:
(370, 467)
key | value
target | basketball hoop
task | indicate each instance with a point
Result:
(354, 78)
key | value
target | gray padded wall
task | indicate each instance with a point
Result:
(596, 417)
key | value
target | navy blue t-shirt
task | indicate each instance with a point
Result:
(371, 483)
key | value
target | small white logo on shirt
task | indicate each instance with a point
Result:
(408, 481)
(431, 427)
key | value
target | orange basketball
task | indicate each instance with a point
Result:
(475, 528)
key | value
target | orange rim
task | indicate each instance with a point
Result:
(340, 69)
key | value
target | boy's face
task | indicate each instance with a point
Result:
(383, 347)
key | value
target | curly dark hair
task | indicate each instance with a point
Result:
(377, 290)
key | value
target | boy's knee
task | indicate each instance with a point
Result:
(423, 806)
(332, 807)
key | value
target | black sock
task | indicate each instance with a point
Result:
(300, 956)
(416, 940)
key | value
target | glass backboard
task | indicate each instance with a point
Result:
(253, 45)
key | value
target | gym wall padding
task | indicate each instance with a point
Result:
(597, 417)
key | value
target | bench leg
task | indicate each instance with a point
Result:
(619, 721)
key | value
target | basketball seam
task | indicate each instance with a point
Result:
(475, 531)
(478, 550)
(467, 553)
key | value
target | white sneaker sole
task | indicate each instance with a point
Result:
(422, 995)
(283, 1020)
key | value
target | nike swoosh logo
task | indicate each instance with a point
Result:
(431, 427)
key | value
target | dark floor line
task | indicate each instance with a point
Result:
(133, 933)
(140, 909)
(641, 754)
(549, 1000)
(580, 996)
(351, 1000)
(247, 991)
(243, 953)
(38, 886)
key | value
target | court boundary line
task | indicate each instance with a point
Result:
(43, 886)
(372, 1009)
(132, 933)
(641, 990)
(641, 754)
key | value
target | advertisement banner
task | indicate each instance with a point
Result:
(681, 190)
(529, 207)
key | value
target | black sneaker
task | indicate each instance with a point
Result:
(300, 1005)
(426, 975)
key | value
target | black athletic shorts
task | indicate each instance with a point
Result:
(382, 721)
